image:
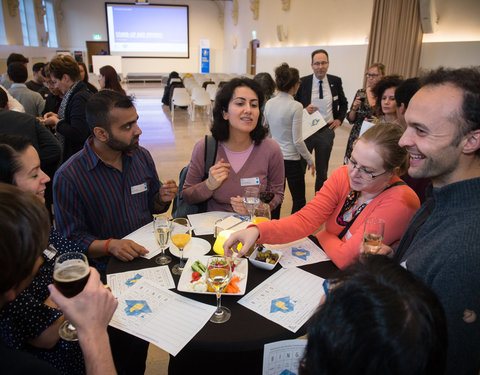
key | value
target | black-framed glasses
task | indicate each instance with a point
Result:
(366, 174)
(370, 75)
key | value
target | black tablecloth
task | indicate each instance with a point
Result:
(245, 333)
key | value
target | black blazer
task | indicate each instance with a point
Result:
(339, 101)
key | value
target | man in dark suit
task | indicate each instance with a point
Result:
(324, 93)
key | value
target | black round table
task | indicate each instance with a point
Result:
(239, 342)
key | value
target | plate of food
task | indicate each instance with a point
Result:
(195, 247)
(194, 279)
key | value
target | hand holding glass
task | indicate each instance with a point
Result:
(70, 275)
(161, 227)
(373, 234)
(219, 273)
(181, 233)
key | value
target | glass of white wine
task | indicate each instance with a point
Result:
(373, 235)
(161, 227)
(181, 233)
(219, 273)
(251, 199)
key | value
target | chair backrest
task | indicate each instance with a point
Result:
(212, 91)
(180, 96)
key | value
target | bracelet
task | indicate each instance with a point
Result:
(106, 246)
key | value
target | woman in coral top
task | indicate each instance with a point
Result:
(368, 186)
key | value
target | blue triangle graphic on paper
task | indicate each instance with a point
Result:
(300, 253)
(281, 305)
(137, 307)
(287, 372)
(130, 282)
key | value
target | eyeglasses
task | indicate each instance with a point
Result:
(368, 75)
(364, 173)
(320, 63)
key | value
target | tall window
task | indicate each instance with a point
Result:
(49, 21)
(29, 27)
(3, 33)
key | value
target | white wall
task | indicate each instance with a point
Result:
(83, 18)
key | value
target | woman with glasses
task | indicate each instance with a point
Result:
(363, 104)
(368, 186)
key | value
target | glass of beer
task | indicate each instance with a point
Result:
(373, 234)
(181, 233)
(161, 227)
(70, 274)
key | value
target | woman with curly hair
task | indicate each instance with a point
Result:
(245, 155)
(386, 106)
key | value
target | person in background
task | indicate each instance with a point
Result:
(403, 94)
(377, 318)
(84, 77)
(54, 97)
(108, 79)
(24, 228)
(386, 106)
(32, 101)
(368, 186)
(363, 104)
(267, 84)
(32, 320)
(5, 81)
(70, 121)
(324, 93)
(245, 156)
(284, 116)
(37, 83)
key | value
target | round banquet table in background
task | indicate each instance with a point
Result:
(237, 345)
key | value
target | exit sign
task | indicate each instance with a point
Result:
(97, 37)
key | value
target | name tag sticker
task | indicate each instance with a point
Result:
(335, 98)
(250, 181)
(50, 252)
(139, 188)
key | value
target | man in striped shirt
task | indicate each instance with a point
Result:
(104, 192)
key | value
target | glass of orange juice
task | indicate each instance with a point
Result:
(180, 235)
(262, 213)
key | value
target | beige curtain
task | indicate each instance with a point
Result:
(396, 37)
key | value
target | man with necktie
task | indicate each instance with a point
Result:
(324, 93)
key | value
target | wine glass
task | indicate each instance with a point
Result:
(373, 234)
(70, 274)
(251, 199)
(266, 195)
(181, 233)
(219, 273)
(161, 227)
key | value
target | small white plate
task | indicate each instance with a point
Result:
(195, 248)
(185, 285)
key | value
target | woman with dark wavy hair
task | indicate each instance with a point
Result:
(245, 156)
(108, 79)
(84, 77)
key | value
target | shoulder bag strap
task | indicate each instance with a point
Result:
(211, 146)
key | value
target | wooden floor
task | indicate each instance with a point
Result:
(171, 145)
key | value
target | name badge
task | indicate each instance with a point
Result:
(50, 252)
(335, 98)
(139, 188)
(250, 181)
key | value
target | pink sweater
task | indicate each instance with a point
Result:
(396, 206)
(265, 161)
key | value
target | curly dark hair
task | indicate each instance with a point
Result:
(381, 86)
(220, 127)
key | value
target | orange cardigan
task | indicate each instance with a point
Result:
(396, 206)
